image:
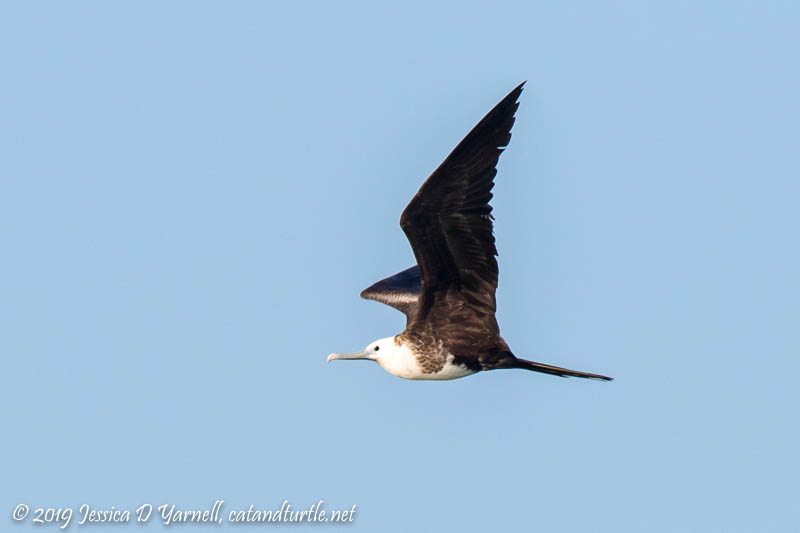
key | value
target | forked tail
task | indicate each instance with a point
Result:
(556, 370)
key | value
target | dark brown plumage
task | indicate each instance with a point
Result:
(449, 297)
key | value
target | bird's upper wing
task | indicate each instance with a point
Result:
(400, 291)
(449, 221)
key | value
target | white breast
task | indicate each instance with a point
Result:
(402, 363)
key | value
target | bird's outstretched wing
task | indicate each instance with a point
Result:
(400, 291)
(449, 221)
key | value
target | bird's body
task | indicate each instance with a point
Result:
(449, 297)
(408, 361)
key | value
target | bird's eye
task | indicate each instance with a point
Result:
(377, 348)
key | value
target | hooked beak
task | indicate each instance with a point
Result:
(361, 354)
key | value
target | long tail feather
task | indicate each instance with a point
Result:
(556, 370)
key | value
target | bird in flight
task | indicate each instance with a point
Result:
(449, 296)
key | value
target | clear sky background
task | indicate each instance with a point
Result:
(192, 195)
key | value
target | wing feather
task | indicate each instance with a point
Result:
(400, 291)
(449, 220)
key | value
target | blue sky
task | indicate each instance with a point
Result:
(192, 195)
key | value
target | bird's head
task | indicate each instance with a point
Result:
(375, 351)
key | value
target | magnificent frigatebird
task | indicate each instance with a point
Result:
(449, 296)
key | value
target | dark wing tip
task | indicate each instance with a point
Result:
(498, 122)
(400, 291)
